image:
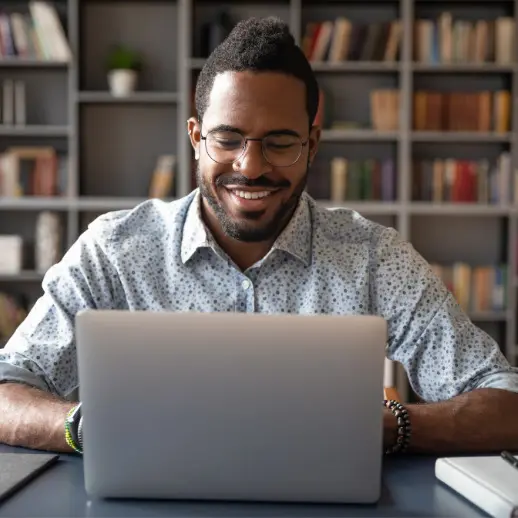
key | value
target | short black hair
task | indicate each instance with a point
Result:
(258, 45)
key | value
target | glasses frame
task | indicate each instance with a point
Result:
(246, 140)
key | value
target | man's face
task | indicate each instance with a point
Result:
(251, 198)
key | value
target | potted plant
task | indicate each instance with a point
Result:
(123, 67)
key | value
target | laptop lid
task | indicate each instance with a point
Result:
(232, 406)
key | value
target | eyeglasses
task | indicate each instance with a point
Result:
(280, 150)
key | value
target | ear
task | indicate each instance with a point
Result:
(193, 128)
(313, 142)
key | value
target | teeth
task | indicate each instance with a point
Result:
(252, 195)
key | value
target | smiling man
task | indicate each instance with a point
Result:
(254, 145)
(250, 239)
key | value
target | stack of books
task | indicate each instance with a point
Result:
(447, 41)
(453, 181)
(363, 180)
(33, 171)
(340, 40)
(462, 111)
(476, 288)
(38, 34)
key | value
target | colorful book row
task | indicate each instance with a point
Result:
(476, 288)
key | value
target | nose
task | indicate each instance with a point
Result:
(252, 163)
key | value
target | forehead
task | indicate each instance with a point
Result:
(257, 102)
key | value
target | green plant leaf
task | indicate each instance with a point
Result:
(121, 57)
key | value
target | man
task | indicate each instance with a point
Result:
(250, 239)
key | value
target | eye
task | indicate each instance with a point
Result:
(281, 142)
(228, 144)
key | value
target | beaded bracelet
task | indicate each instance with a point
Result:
(80, 433)
(404, 429)
(69, 434)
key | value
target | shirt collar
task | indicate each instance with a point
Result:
(295, 239)
(195, 235)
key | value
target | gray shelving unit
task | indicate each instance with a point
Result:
(112, 143)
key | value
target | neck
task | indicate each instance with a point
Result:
(244, 254)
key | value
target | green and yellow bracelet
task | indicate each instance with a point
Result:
(69, 436)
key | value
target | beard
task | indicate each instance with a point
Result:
(248, 228)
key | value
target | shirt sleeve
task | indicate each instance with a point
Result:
(42, 351)
(443, 352)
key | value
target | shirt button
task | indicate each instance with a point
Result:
(246, 284)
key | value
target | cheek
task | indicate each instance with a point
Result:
(294, 174)
(210, 171)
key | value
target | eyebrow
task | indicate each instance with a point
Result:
(282, 131)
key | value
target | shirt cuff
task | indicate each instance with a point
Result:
(499, 380)
(11, 373)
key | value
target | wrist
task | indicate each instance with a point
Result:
(403, 430)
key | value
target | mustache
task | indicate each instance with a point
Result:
(238, 179)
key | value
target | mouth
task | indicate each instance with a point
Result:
(251, 199)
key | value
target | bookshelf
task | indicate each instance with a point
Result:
(112, 143)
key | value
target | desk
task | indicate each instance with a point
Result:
(409, 489)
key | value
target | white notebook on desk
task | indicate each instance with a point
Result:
(488, 482)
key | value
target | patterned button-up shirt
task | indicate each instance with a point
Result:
(160, 256)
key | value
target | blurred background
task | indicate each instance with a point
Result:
(417, 106)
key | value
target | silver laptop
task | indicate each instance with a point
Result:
(231, 406)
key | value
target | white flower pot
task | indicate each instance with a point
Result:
(122, 82)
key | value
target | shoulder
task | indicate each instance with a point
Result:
(345, 227)
(147, 219)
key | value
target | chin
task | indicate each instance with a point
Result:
(250, 230)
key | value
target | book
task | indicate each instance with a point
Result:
(489, 482)
(162, 180)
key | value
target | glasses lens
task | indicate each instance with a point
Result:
(282, 150)
(224, 146)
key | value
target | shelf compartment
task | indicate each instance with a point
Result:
(206, 13)
(45, 95)
(473, 238)
(121, 158)
(371, 169)
(103, 24)
(24, 224)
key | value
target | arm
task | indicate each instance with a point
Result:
(38, 366)
(32, 418)
(470, 389)
(483, 420)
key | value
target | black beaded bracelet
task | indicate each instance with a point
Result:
(404, 429)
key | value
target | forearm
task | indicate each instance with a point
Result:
(484, 420)
(32, 418)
